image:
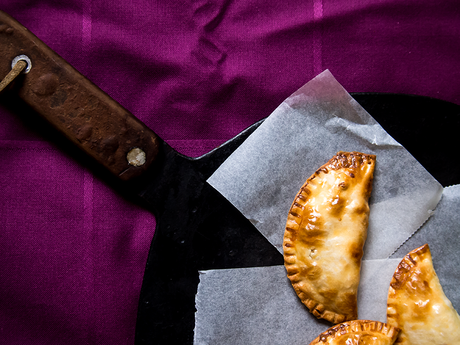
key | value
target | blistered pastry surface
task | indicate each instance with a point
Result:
(417, 303)
(358, 332)
(325, 234)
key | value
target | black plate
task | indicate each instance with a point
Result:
(426, 127)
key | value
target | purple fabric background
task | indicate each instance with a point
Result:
(72, 251)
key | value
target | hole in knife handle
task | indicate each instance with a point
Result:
(20, 64)
(24, 58)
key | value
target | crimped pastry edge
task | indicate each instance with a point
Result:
(402, 274)
(338, 161)
(357, 326)
(405, 267)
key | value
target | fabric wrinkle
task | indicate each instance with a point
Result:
(317, 37)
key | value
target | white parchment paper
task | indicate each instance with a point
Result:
(262, 177)
(259, 305)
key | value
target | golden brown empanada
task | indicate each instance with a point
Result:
(325, 234)
(417, 304)
(358, 332)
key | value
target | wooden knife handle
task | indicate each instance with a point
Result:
(75, 106)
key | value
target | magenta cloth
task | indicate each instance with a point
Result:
(72, 250)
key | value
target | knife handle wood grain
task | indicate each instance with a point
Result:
(75, 106)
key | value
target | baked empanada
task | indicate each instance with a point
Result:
(417, 304)
(358, 332)
(325, 234)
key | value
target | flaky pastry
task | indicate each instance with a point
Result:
(417, 303)
(325, 234)
(358, 332)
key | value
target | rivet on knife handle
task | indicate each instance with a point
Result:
(75, 106)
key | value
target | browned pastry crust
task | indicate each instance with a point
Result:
(358, 332)
(325, 234)
(417, 304)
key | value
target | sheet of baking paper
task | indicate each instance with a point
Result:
(259, 306)
(262, 177)
(442, 233)
(373, 288)
(251, 306)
